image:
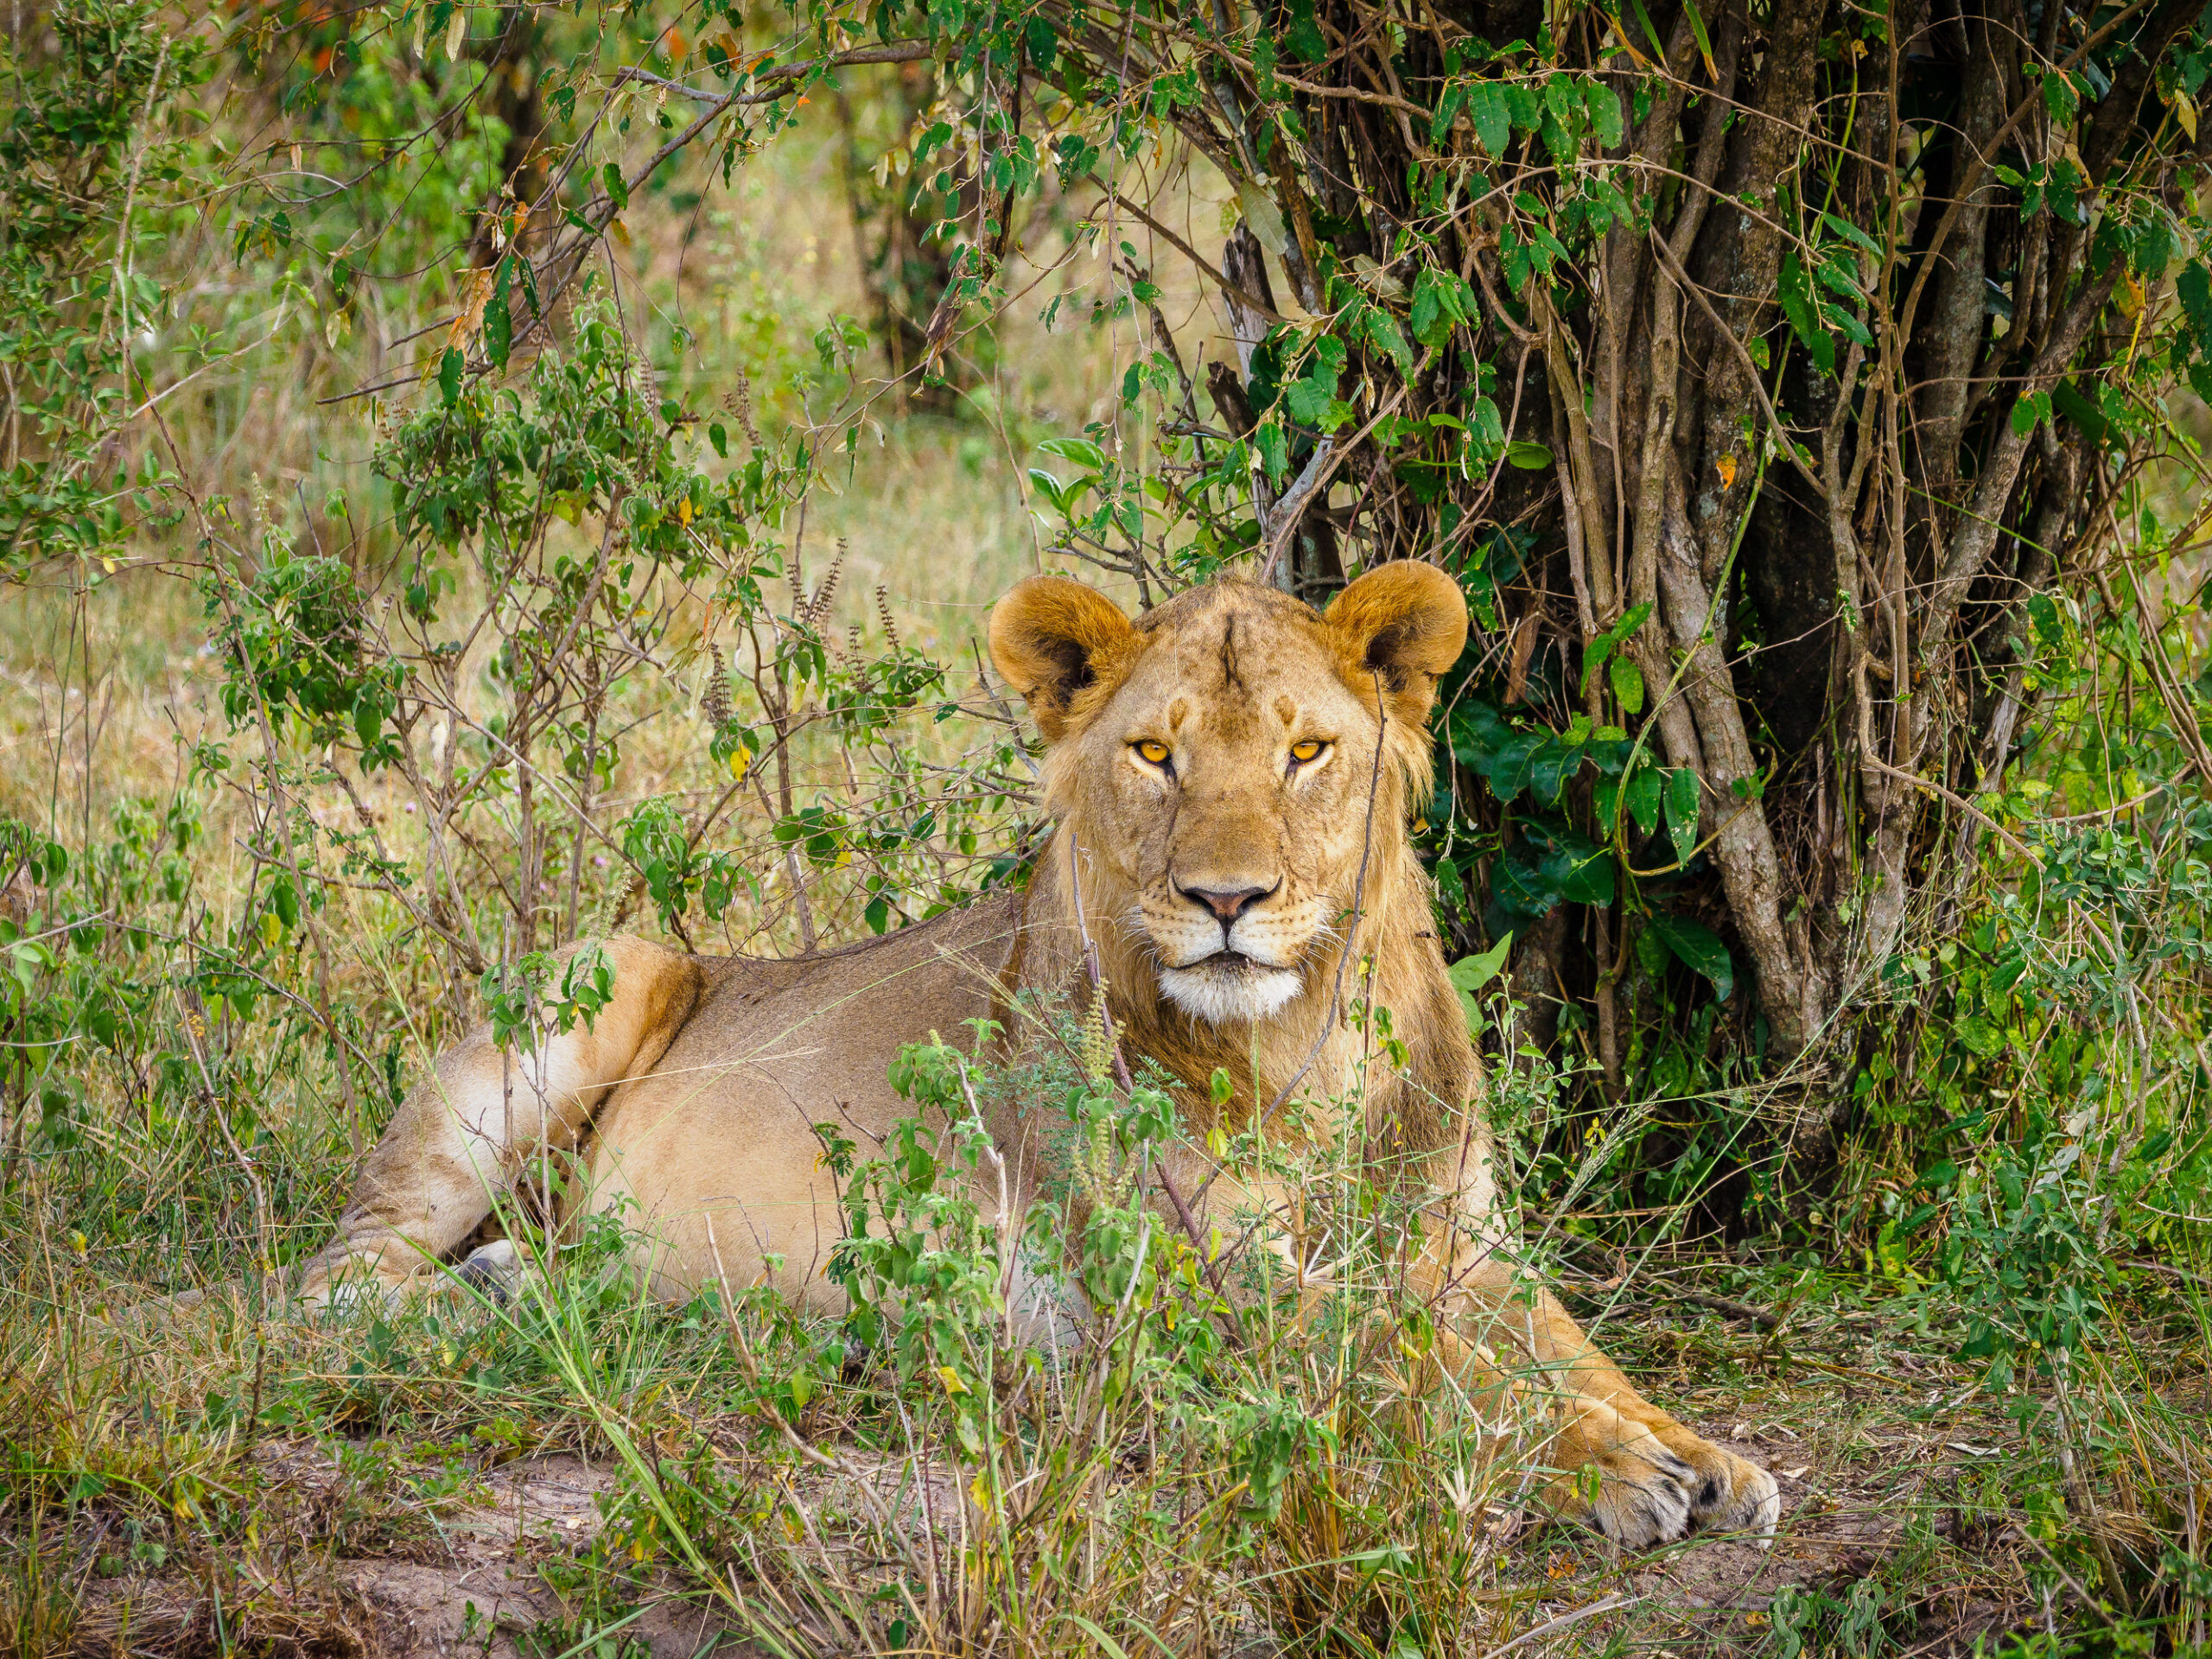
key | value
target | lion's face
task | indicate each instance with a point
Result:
(1216, 763)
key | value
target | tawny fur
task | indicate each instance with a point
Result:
(1230, 776)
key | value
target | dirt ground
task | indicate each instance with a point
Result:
(1870, 1497)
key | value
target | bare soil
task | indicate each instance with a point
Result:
(1869, 1498)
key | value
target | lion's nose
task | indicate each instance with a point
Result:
(1227, 903)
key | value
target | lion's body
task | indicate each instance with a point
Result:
(1229, 778)
(721, 1132)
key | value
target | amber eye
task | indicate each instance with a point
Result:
(1308, 752)
(1151, 750)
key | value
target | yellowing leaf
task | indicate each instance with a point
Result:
(475, 293)
(2128, 296)
(2185, 112)
(684, 510)
(1262, 215)
(1726, 468)
(456, 32)
(951, 1378)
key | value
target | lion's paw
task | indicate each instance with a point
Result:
(1645, 1494)
(495, 1270)
(1729, 1493)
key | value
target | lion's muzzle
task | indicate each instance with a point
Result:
(1225, 954)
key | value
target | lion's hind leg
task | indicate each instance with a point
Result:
(467, 1131)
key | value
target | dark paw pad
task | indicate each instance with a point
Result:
(484, 1277)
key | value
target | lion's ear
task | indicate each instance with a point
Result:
(1051, 638)
(1406, 622)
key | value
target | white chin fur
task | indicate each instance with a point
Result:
(1227, 995)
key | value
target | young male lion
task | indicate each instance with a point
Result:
(1229, 776)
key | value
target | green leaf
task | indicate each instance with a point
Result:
(1584, 873)
(2050, 628)
(498, 328)
(1441, 299)
(1308, 399)
(1529, 457)
(1048, 486)
(1274, 450)
(449, 367)
(1593, 658)
(2059, 98)
(1795, 291)
(1470, 974)
(2068, 400)
(1486, 108)
(1851, 233)
(1644, 797)
(1304, 36)
(1081, 451)
(1380, 329)
(1604, 104)
(2194, 285)
(1628, 684)
(1698, 948)
(617, 192)
(1650, 34)
(2032, 409)
(1473, 973)
(1704, 40)
(1681, 811)
(1451, 891)
(1837, 279)
(1449, 109)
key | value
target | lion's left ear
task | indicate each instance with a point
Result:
(1405, 621)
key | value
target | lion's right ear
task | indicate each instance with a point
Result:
(1052, 639)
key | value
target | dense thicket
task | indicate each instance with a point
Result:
(1802, 395)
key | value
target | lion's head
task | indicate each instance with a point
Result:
(1229, 762)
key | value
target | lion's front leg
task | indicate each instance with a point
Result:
(1627, 1467)
(466, 1131)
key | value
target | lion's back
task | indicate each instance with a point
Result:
(723, 1124)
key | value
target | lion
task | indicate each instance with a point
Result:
(1228, 777)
